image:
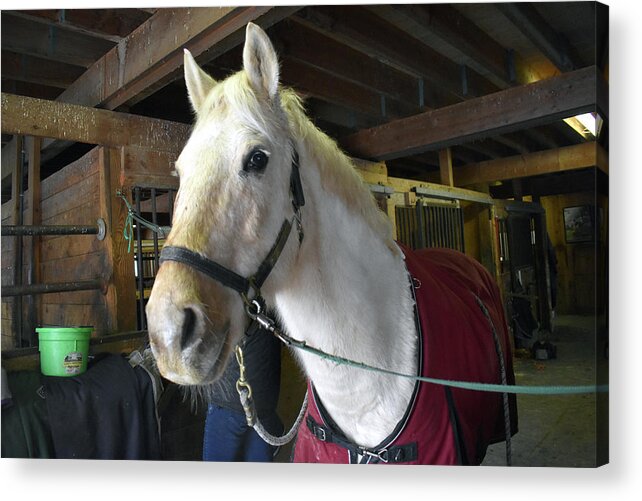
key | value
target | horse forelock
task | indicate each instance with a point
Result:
(235, 95)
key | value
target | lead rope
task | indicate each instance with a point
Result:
(245, 394)
(502, 370)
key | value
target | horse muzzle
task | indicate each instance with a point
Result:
(190, 346)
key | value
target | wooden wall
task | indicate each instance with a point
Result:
(68, 197)
(72, 196)
(580, 266)
(79, 194)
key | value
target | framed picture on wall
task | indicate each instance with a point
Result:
(579, 224)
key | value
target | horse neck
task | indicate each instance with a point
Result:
(348, 294)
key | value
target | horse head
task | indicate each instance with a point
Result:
(234, 195)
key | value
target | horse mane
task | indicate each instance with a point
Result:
(339, 175)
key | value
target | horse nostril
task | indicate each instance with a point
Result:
(188, 334)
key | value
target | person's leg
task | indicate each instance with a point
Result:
(256, 449)
(223, 434)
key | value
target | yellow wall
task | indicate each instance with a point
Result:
(582, 267)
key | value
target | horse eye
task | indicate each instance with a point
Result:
(257, 161)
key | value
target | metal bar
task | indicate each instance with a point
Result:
(27, 290)
(172, 197)
(155, 235)
(447, 227)
(421, 224)
(31, 230)
(139, 262)
(462, 233)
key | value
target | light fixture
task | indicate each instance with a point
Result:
(587, 125)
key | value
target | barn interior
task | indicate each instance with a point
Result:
(480, 127)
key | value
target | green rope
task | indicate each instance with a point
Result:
(466, 385)
(128, 230)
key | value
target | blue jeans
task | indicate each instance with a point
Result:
(228, 438)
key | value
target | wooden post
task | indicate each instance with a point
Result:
(121, 291)
(33, 216)
(16, 217)
(486, 236)
(517, 189)
(446, 167)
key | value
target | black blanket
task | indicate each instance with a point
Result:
(106, 413)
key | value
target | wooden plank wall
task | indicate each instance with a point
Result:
(580, 266)
(8, 264)
(71, 196)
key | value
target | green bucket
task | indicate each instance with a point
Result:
(63, 350)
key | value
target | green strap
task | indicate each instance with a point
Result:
(496, 388)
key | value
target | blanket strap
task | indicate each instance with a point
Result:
(392, 454)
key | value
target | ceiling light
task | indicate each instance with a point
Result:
(588, 125)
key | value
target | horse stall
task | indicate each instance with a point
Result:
(473, 167)
(67, 257)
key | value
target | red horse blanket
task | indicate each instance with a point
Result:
(443, 425)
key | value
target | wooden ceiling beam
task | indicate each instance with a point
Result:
(154, 50)
(505, 111)
(152, 55)
(311, 81)
(50, 42)
(108, 24)
(444, 23)
(375, 37)
(36, 70)
(29, 116)
(300, 42)
(30, 89)
(533, 164)
(551, 43)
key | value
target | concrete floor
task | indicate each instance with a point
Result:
(554, 431)
(562, 431)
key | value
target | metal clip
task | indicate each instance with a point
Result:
(242, 382)
(381, 455)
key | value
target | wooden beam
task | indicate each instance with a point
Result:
(552, 44)
(311, 81)
(110, 24)
(368, 33)
(50, 42)
(50, 119)
(444, 24)
(504, 111)
(33, 216)
(306, 45)
(121, 290)
(37, 70)
(542, 162)
(155, 50)
(446, 167)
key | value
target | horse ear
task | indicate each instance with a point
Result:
(260, 61)
(198, 83)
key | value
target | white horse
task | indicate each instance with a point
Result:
(343, 288)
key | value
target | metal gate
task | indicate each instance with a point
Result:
(431, 225)
(156, 206)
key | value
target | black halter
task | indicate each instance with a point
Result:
(231, 279)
